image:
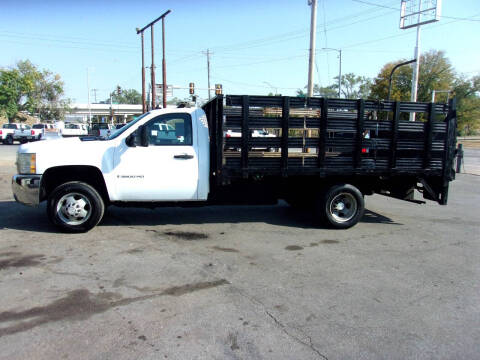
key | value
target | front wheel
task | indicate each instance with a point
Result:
(75, 207)
(342, 206)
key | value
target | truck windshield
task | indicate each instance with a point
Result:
(126, 127)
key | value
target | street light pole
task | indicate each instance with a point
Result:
(339, 68)
(391, 75)
(273, 87)
(88, 89)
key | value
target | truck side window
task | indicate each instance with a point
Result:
(170, 129)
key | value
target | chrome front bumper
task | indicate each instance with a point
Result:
(26, 189)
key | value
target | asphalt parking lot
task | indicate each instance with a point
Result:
(248, 282)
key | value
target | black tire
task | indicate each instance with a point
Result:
(8, 140)
(75, 207)
(341, 206)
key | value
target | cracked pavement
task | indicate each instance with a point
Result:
(243, 282)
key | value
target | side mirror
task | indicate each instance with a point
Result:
(131, 140)
(143, 135)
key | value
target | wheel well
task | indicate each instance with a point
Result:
(58, 175)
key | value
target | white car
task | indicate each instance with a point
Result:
(255, 134)
(72, 129)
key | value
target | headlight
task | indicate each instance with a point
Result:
(26, 163)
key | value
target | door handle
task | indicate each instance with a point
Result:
(183, 156)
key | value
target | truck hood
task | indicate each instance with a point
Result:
(72, 151)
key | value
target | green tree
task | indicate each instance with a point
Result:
(435, 73)
(467, 92)
(24, 88)
(319, 91)
(352, 87)
(125, 96)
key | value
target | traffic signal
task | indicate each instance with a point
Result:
(191, 88)
(119, 90)
(218, 89)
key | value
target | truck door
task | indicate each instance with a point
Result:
(165, 170)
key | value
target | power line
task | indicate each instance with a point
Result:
(106, 49)
(293, 35)
(67, 38)
(253, 85)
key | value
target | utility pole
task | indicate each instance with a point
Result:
(164, 66)
(208, 53)
(152, 69)
(311, 61)
(144, 104)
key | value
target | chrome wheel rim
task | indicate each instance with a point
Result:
(74, 209)
(343, 207)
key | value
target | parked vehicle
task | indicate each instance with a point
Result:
(73, 129)
(6, 133)
(254, 133)
(38, 131)
(101, 130)
(142, 164)
(17, 132)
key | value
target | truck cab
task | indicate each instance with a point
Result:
(162, 156)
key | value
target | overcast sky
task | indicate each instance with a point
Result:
(258, 46)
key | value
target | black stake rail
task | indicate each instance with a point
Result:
(396, 119)
(219, 130)
(360, 118)
(429, 136)
(395, 147)
(322, 142)
(245, 134)
(285, 117)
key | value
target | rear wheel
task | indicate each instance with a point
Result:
(342, 206)
(75, 207)
(8, 140)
